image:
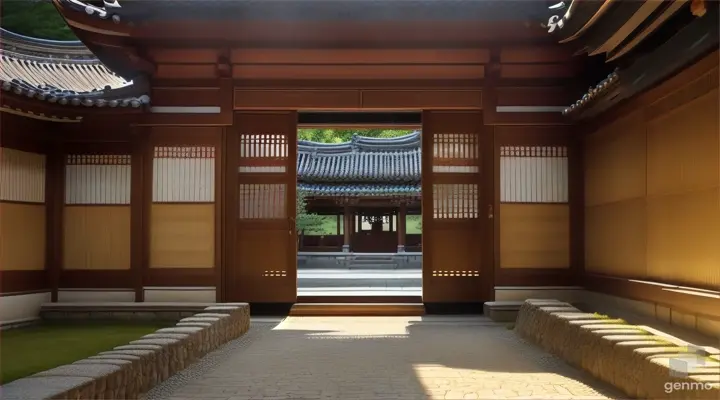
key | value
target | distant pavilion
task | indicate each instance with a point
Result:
(371, 184)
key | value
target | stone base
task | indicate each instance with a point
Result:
(629, 357)
(502, 311)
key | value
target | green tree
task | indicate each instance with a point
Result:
(305, 221)
(35, 18)
(345, 135)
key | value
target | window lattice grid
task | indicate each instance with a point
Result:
(455, 146)
(262, 201)
(184, 152)
(534, 174)
(455, 201)
(455, 153)
(263, 146)
(97, 159)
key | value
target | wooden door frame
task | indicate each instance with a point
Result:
(230, 210)
(486, 207)
(487, 186)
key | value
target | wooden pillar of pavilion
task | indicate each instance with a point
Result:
(348, 225)
(401, 222)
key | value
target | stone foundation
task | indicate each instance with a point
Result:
(641, 364)
(127, 371)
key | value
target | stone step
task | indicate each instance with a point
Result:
(357, 282)
(357, 309)
(502, 311)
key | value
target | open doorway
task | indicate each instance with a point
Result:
(359, 213)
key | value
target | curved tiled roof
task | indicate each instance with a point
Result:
(365, 190)
(62, 72)
(362, 160)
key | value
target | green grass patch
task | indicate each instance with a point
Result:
(27, 351)
(600, 316)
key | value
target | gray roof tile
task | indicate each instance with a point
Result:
(62, 72)
(363, 160)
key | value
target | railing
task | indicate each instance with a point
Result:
(335, 260)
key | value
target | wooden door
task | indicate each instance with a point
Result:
(457, 239)
(265, 243)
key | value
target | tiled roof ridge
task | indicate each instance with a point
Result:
(107, 11)
(63, 72)
(45, 48)
(400, 144)
(361, 189)
(595, 92)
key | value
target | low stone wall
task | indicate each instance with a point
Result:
(121, 311)
(127, 371)
(641, 364)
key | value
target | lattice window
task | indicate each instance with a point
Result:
(263, 153)
(262, 201)
(184, 174)
(97, 179)
(455, 153)
(455, 201)
(533, 174)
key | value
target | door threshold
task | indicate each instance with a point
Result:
(357, 309)
(381, 299)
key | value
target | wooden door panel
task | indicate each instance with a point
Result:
(265, 239)
(457, 237)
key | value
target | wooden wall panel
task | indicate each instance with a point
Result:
(22, 176)
(22, 228)
(23, 213)
(182, 236)
(653, 187)
(182, 222)
(615, 162)
(422, 99)
(684, 193)
(296, 99)
(683, 238)
(96, 237)
(533, 219)
(535, 236)
(96, 215)
(683, 148)
(186, 97)
(353, 99)
(615, 242)
(356, 72)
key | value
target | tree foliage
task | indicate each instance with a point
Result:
(305, 221)
(34, 18)
(345, 135)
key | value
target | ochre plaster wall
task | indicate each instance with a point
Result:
(652, 189)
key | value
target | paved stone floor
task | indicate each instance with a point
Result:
(400, 358)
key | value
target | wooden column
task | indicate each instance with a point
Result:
(401, 219)
(348, 229)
